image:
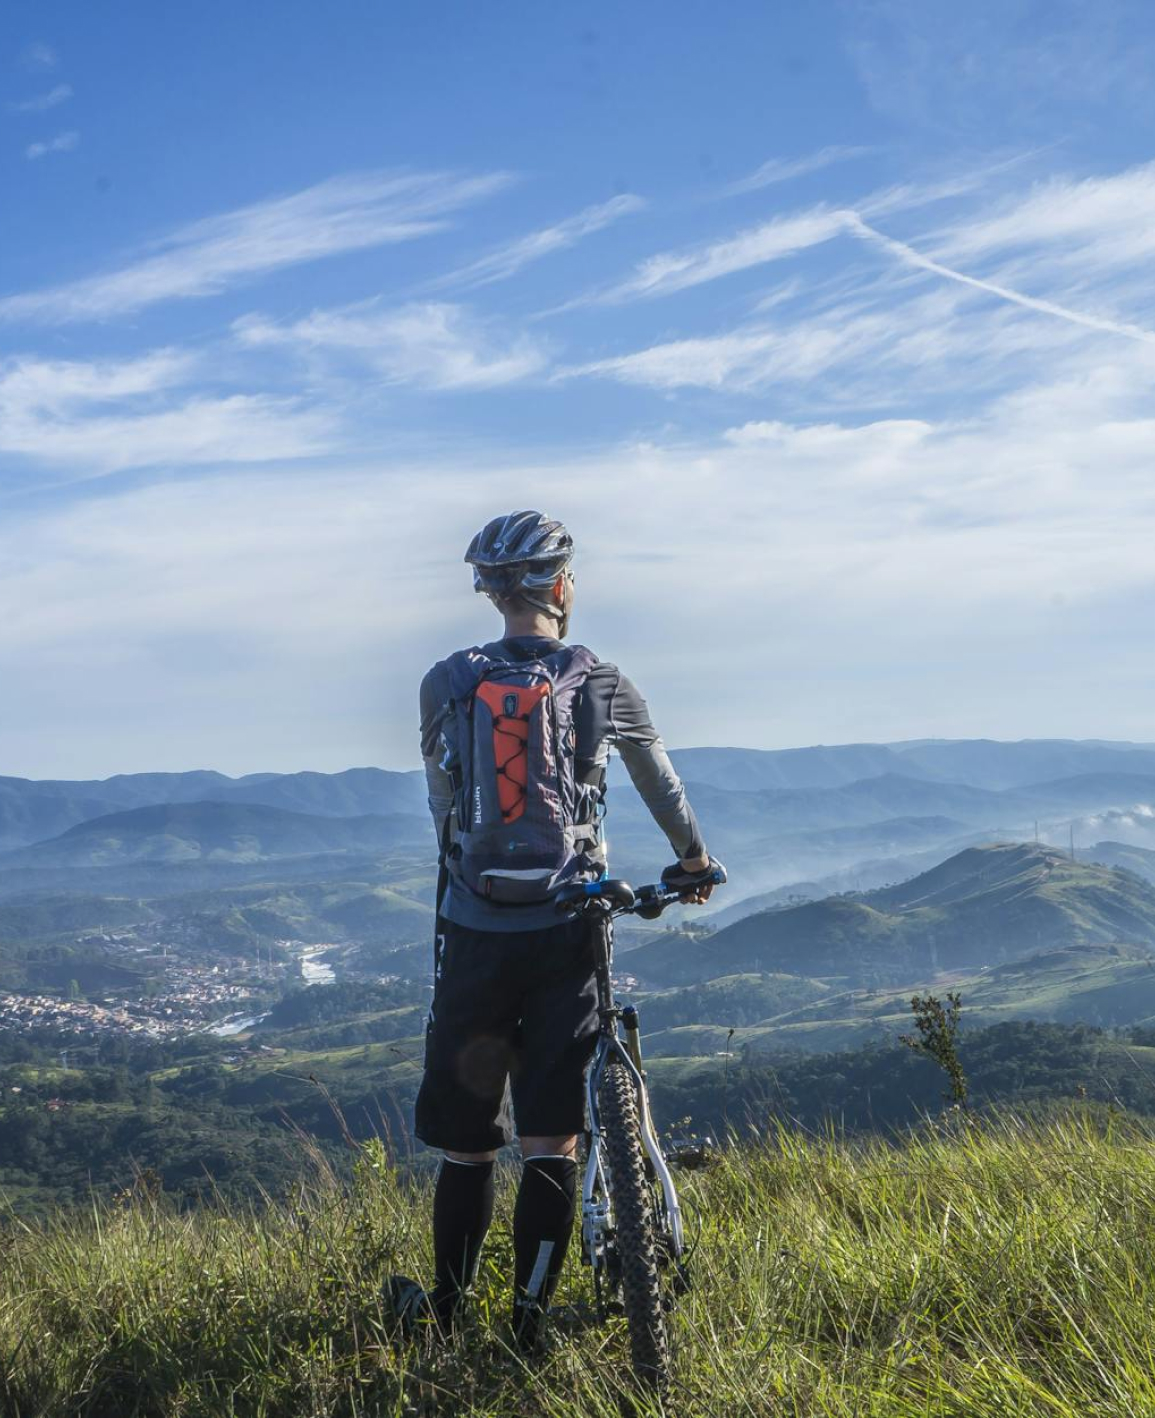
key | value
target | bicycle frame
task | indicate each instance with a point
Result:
(597, 1199)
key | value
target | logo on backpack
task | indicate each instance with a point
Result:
(523, 822)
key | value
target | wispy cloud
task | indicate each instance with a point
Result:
(102, 417)
(1044, 307)
(784, 169)
(507, 260)
(41, 103)
(38, 56)
(433, 345)
(678, 270)
(747, 359)
(207, 257)
(62, 143)
(1081, 246)
(1083, 225)
(777, 239)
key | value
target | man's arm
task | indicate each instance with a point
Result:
(436, 779)
(654, 776)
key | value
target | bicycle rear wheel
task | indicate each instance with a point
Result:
(634, 1226)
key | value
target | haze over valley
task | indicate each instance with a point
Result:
(229, 939)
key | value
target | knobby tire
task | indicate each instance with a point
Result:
(634, 1227)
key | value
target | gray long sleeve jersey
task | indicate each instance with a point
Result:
(610, 714)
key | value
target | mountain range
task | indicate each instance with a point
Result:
(777, 817)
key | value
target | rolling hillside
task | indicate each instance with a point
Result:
(1109, 986)
(984, 906)
(33, 811)
(172, 833)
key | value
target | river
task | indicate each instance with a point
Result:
(314, 971)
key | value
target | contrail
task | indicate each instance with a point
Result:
(858, 227)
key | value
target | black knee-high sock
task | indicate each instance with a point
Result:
(462, 1211)
(542, 1223)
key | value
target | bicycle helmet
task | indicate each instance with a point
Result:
(520, 554)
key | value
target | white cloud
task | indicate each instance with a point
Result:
(507, 260)
(891, 338)
(32, 383)
(900, 577)
(97, 418)
(38, 56)
(42, 102)
(741, 361)
(678, 270)
(206, 257)
(781, 237)
(1084, 226)
(784, 169)
(907, 253)
(62, 143)
(433, 345)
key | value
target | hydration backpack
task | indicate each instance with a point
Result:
(522, 822)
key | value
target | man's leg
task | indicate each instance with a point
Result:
(462, 1106)
(542, 1225)
(462, 1211)
(558, 1031)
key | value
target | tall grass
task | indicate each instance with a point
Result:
(1006, 1268)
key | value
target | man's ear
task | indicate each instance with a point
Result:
(559, 591)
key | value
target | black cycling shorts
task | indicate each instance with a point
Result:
(513, 1022)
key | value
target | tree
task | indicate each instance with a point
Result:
(937, 1025)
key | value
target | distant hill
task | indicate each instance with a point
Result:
(173, 833)
(358, 792)
(984, 906)
(1109, 986)
(982, 763)
(33, 811)
(987, 763)
(750, 769)
(30, 812)
(381, 919)
(1140, 860)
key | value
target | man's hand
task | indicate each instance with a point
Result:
(692, 877)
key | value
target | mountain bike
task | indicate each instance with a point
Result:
(632, 1233)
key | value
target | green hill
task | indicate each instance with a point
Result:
(1110, 986)
(730, 1000)
(985, 906)
(1140, 860)
(376, 916)
(214, 832)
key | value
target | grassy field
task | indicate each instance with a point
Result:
(995, 1269)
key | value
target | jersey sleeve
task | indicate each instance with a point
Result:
(642, 751)
(437, 782)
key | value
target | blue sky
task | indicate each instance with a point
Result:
(828, 328)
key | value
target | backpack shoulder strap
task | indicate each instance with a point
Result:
(466, 670)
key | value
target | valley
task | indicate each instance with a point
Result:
(250, 954)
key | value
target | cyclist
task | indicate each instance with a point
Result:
(513, 1021)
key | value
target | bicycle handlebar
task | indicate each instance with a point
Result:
(623, 899)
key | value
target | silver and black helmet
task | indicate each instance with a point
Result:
(520, 554)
